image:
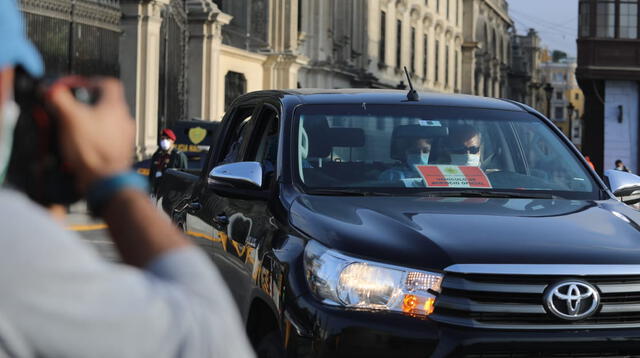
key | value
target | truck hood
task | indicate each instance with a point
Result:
(433, 233)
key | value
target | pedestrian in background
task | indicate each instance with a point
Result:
(621, 167)
(59, 298)
(166, 156)
(586, 157)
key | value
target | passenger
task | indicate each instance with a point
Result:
(462, 147)
(417, 153)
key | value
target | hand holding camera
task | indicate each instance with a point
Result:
(71, 132)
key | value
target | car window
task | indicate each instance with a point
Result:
(265, 140)
(404, 147)
(238, 135)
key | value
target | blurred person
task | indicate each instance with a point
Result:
(621, 167)
(586, 157)
(416, 153)
(166, 156)
(59, 298)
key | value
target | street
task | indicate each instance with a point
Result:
(95, 232)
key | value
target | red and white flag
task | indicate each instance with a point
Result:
(453, 176)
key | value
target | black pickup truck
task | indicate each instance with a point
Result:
(363, 223)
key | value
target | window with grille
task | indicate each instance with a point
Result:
(585, 7)
(628, 20)
(605, 19)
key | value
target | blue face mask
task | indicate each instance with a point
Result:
(418, 158)
(8, 119)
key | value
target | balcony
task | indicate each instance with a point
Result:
(608, 58)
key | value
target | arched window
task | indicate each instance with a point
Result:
(235, 84)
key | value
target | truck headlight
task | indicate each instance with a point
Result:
(340, 280)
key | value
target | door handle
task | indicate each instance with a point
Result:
(220, 221)
(194, 207)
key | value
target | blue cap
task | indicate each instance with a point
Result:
(15, 48)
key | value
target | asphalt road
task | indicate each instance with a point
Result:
(95, 232)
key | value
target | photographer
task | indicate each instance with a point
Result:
(59, 298)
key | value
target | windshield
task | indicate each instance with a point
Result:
(424, 149)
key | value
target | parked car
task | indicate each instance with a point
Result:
(369, 223)
(193, 137)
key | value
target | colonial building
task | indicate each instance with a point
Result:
(178, 59)
(485, 51)
(362, 43)
(525, 76)
(609, 74)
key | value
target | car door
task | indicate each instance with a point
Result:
(247, 224)
(202, 220)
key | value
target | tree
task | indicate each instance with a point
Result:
(558, 55)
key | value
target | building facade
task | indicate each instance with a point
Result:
(362, 43)
(486, 47)
(178, 59)
(609, 74)
(525, 75)
(566, 101)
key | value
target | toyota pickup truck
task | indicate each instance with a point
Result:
(372, 223)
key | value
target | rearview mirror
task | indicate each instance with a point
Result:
(625, 186)
(242, 174)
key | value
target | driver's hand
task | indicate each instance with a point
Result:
(96, 141)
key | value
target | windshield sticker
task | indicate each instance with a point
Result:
(453, 176)
(426, 123)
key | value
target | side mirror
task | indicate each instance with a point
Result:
(625, 186)
(241, 174)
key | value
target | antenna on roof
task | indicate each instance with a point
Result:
(412, 95)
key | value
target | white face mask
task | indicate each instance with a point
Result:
(472, 160)
(9, 117)
(418, 158)
(165, 144)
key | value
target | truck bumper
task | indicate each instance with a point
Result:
(316, 330)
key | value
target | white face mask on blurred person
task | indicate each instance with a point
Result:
(418, 158)
(165, 144)
(8, 118)
(472, 160)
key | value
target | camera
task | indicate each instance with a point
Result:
(36, 166)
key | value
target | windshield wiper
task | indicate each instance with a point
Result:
(488, 194)
(346, 192)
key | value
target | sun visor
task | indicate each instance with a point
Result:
(421, 131)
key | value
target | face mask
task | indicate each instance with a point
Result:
(418, 158)
(472, 160)
(165, 144)
(10, 114)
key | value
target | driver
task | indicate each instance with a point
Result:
(416, 153)
(463, 146)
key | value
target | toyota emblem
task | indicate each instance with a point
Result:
(572, 300)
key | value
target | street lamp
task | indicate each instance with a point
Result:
(571, 108)
(548, 91)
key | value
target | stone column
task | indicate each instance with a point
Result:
(140, 64)
(283, 61)
(205, 40)
(468, 67)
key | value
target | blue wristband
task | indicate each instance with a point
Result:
(101, 191)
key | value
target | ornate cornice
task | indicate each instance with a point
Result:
(104, 14)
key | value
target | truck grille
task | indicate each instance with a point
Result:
(516, 302)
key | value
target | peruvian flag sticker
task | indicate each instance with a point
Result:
(453, 176)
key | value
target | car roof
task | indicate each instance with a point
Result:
(388, 96)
